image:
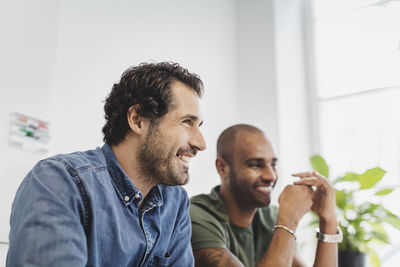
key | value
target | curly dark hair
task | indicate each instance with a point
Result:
(149, 86)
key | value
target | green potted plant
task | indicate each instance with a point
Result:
(364, 224)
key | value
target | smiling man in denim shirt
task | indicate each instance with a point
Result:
(121, 204)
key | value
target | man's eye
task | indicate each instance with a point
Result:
(188, 121)
(255, 165)
(273, 164)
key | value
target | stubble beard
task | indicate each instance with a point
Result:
(156, 164)
(245, 197)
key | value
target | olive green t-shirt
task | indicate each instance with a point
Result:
(211, 228)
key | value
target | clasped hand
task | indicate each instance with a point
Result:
(296, 200)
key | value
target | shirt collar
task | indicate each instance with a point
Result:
(221, 208)
(219, 203)
(125, 188)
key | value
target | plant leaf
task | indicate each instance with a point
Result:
(377, 227)
(370, 177)
(393, 220)
(319, 164)
(340, 196)
(348, 177)
(381, 236)
(369, 208)
(384, 192)
(373, 258)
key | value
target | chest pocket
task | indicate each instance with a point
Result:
(160, 261)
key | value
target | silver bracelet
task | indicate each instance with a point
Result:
(336, 238)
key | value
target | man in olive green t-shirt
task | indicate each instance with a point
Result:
(236, 226)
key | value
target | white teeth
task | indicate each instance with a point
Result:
(265, 188)
(184, 158)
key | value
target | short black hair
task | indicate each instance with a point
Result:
(227, 140)
(149, 86)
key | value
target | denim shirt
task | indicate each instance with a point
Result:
(81, 209)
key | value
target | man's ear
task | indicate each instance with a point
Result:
(136, 122)
(222, 167)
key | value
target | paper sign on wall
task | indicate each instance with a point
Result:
(32, 134)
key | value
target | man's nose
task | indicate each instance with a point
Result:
(269, 174)
(197, 140)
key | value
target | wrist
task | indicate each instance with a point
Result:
(288, 222)
(328, 226)
(283, 227)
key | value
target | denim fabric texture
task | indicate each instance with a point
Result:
(81, 209)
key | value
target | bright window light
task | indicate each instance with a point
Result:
(358, 46)
(357, 71)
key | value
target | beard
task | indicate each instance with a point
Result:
(243, 195)
(157, 161)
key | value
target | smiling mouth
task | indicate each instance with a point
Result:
(184, 158)
(266, 189)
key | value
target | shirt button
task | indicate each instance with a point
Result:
(126, 198)
(137, 195)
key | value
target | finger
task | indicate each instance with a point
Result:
(323, 179)
(306, 187)
(302, 174)
(317, 183)
(310, 181)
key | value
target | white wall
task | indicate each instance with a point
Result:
(3, 254)
(27, 58)
(256, 66)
